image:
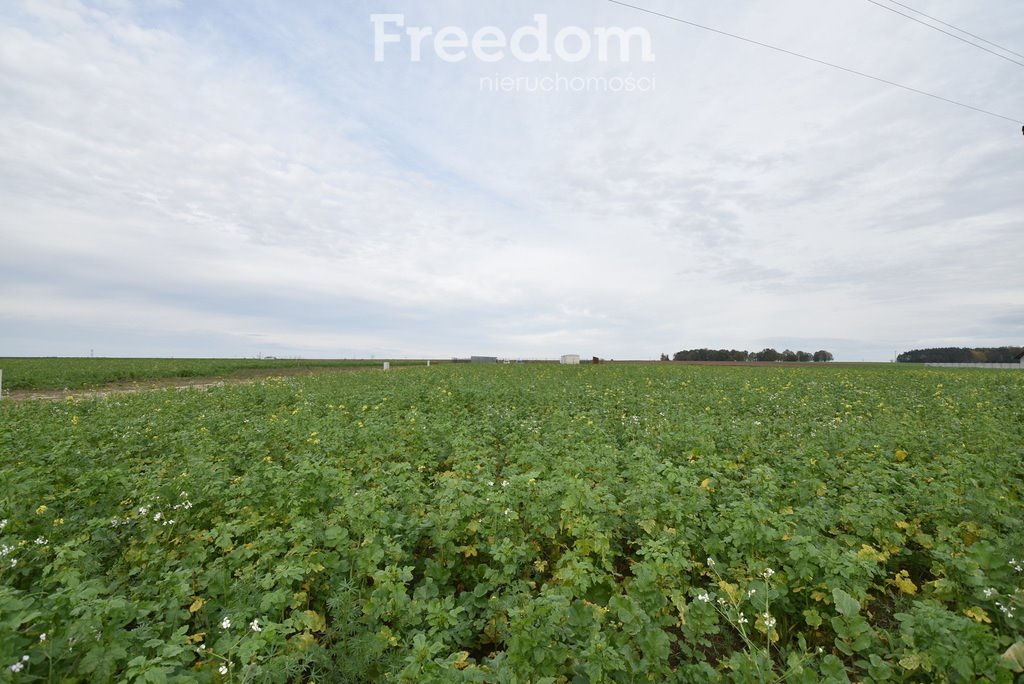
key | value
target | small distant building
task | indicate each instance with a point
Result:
(1019, 358)
(483, 359)
(570, 360)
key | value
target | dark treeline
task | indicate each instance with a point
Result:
(960, 355)
(734, 355)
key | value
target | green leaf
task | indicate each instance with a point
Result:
(845, 604)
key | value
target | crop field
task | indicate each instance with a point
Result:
(69, 373)
(520, 524)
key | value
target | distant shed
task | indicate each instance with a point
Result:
(1019, 358)
(483, 359)
(570, 360)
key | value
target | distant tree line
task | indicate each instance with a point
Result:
(737, 356)
(960, 355)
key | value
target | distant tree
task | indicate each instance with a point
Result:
(664, 357)
(822, 356)
(803, 357)
(769, 355)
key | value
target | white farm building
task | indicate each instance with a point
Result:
(570, 360)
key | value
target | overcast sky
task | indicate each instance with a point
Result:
(234, 179)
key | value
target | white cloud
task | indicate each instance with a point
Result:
(226, 156)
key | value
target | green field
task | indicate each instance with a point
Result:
(69, 373)
(520, 524)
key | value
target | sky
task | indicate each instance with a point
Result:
(236, 179)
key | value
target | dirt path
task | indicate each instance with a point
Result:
(239, 378)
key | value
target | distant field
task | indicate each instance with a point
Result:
(79, 373)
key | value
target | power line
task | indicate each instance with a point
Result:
(813, 59)
(951, 35)
(956, 28)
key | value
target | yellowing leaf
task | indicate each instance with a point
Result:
(468, 551)
(197, 605)
(196, 638)
(706, 484)
(1015, 657)
(460, 662)
(732, 590)
(679, 601)
(868, 551)
(314, 621)
(904, 583)
(901, 455)
(977, 614)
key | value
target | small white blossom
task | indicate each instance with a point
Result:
(742, 619)
(989, 593)
(41, 541)
(143, 510)
(42, 637)
(255, 626)
(769, 621)
(157, 516)
(490, 483)
(225, 623)
(17, 667)
(5, 549)
(3, 523)
(24, 658)
(721, 601)
(750, 593)
(1017, 565)
(704, 597)
(504, 483)
(223, 669)
(711, 562)
(14, 561)
(768, 572)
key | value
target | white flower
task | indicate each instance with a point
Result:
(768, 572)
(504, 483)
(3, 523)
(491, 483)
(769, 621)
(255, 625)
(157, 516)
(225, 623)
(223, 669)
(183, 495)
(41, 541)
(750, 593)
(704, 597)
(143, 510)
(742, 619)
(989, 593)
(711, 562)
(1017, 565)
(42, 637)
(17, 667)
(14, 561)
(5, 549)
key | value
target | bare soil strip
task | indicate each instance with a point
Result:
(239, 378)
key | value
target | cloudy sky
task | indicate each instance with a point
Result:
(234, 179)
